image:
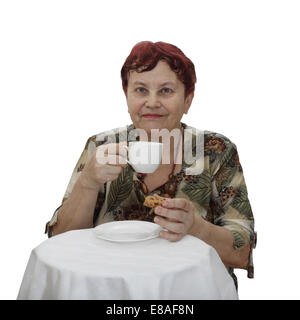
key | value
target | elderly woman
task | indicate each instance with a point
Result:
(159, 81)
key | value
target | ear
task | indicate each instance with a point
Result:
(188, 102)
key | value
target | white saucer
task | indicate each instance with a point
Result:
(127, 231)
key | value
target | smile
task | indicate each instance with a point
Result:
(152, 116)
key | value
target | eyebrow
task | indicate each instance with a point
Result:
(161, 85)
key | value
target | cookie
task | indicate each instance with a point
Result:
(153, 201)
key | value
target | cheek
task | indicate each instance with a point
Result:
(134, 109)
(174, 109)
(133, 105)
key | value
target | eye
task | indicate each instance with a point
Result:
(140, 88)
(170, 90)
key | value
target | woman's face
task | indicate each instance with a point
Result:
(155, 98)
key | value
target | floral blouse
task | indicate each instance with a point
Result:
(218, 192)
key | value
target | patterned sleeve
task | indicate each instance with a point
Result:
(86, 153)
(230, 199)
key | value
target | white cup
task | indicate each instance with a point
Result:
(144, 156)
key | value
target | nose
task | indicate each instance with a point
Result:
(152, 101)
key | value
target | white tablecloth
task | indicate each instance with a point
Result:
(78, 265)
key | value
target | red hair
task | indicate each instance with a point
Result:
(145, 55)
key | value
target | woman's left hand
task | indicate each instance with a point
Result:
(177, 216)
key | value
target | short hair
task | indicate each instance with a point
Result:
(145, 55)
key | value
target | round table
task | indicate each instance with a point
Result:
(78, 265)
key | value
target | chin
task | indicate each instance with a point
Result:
(150, 126)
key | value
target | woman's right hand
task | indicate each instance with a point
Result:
(105, 164)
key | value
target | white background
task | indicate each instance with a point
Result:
(60, 83)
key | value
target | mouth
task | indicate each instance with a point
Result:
(152, 116)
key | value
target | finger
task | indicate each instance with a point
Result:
(113, 148)
(113, 170)
(107, 178)
(173, 214)
(177, 227)
(111, 159)
(179, 203)
(121, 150)
(116, 160)
(101, 154)
(117, 148)
(171, 236)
